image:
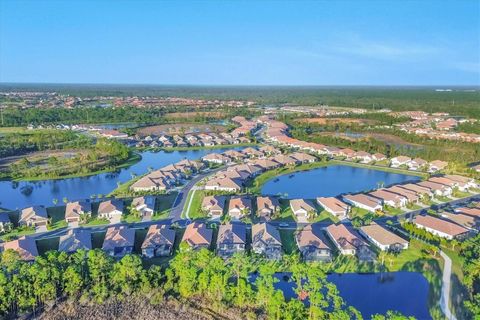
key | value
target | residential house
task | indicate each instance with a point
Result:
(74, 211)
(463, 183)
(265, 164)
(437, 165)
(266, 241)
(159, 241)
(35, 216)
(390, 199)
(383, 238)
(302, 209)
(75, 239)
(267, 207)
(25, 246)
(197, 235)
(5, 222)
(252, 152)
(234, 155)
(216, 158)
(473, 212)
(231, 239)
(214, 206)
(400, 161)
(285, 160)
(145, 206)
(420, 191)
(436, 188)
(417, 164)
(411, 196)
(239, 207)
(150, 183)
(335, 207)
(347, 240)
(312, 244)
(378, 157)
(119, 241)
(303, 157)
(111, 210)
(439, 227)
(363, 156)
(466, 221)
(363, 201)
(224, 184)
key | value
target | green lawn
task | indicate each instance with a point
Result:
(17, 233)
(391, 211)
(195, 211)
(325, 216)
(461, 194)
(414, 207)
(57, 216)
(285, 213)
(288, 240)
(443, 199)
(359, 212)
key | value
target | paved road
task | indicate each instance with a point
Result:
(445, 298)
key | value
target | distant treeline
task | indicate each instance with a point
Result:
(460, 101)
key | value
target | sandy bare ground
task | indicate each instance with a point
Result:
(177, 129)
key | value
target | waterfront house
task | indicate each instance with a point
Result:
(347, 240)
(150, 183)
(111, 210)
(252, 152)
(334, 206)
(312, 244)
(75, 239)
(303, 157)
(419, 190)
(302, 209)
(266, 241)
(197, 235)
(119, 241)
(389, 198)
(224, 184)
(347, 153)
(269, 150)
(378, 157)
(363, 201)
(437, 165)
(363, 157)
(4, 221)
(265, 164)
(285, 160)
(411, 196)
(463, 183)
(439, 227)
(399, 161)
(239, 207)
(417, 164)
(214, 206)
(436, 188)
(234, 155)
(159, 241)
(74, 211)
(216, 158)
(250, 169)
(145, 206)
(25, 246)
(267, 207)
(383, 238)
(231, 239)
(35, 216)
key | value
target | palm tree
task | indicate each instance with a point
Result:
(55, 201)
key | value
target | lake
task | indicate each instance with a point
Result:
(331, 181)
(373, 293)
(43, 192)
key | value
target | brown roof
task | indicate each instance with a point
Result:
(25, 246)
(270, 203)
(197, 233)
(409, 194)
(443, 226)
(75, 209)
(311, 235)
(474, 212)
(415, 187)
(110, 205)
(267, 233)
(240, 202)
(232, 233)
(386, 196)
(462, 219)
(157, 235)
(38, 213)
(213, 202)
(120, 236)
(382, 235)
(431, 185)
(363, 199)
(333, 204)
(298, 204)
(344, 236)
(75, 239)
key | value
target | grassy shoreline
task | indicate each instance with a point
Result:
(133, 158)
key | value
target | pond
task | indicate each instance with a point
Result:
(406, 292)
(18, 195)
(331, 181)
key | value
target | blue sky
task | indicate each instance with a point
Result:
(241, 42)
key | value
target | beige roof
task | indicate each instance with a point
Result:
(75, 239)
(240, 202)
(267, 233)
(157, 235)
(270, 203)
(311, 235)
(409, 194)
(415, 187)
(232, 233)
(264, 163)
(386, 196)
(442, 180)
(37, 213)
(344, 236)
(475, 212)
(75, 209)
(382, 235)
(402, 159)
(197, 233)
(225, 183)
(110, 206)
(120, 236)
(213, 202)
(284, 159)
(431, 185)
(333, 204)
(443, 226)
(300, 156)
(363, 199)
(25, 246)
(299, 204)
(462, 219)
(439, 164)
